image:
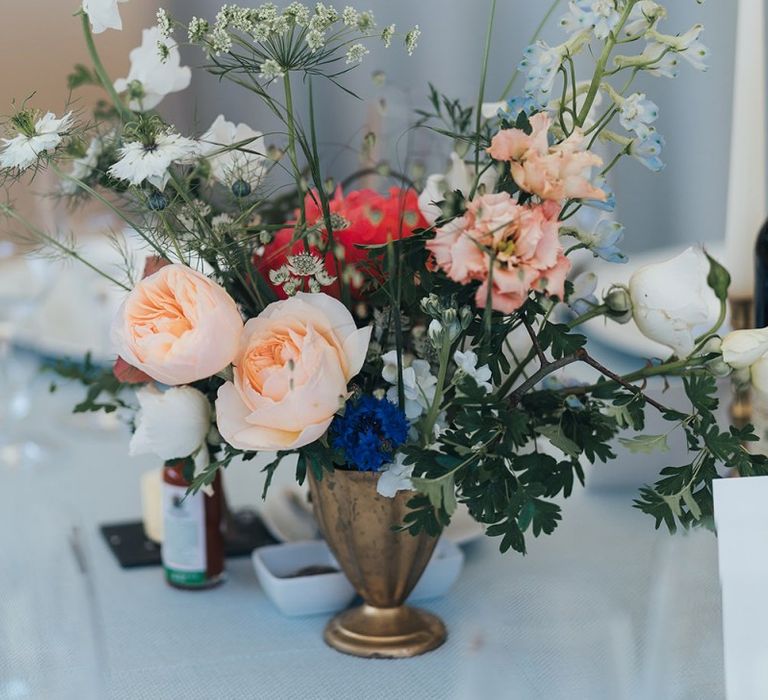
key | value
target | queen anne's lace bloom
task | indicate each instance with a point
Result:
(139, 161)
(24, 149)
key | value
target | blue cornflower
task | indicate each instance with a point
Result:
(369, 432)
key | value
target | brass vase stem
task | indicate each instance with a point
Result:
(383, 565)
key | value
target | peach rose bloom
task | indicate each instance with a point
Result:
(178, 326)
(291, 373)
(556, 172)
(524, 241)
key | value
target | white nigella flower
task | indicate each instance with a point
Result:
(637, 112)
(33, 139)
(686, 45)
(171, 424)
(103, 14)
(245, 162)
(418, 383)
(395, 477)
(141, 161)
(466, 362)
(153, 76)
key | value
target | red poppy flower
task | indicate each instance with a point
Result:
(372, 218)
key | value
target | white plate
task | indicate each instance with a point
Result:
(288, 517)
(627, 338)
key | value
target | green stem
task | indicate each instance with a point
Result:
(101, 72)
(291, 124)
(592, 313)
(434, 409)
(481, 93)
(601, 63)
(536, 34)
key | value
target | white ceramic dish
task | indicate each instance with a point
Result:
(302, 595)
(441, 573)
(287, 515)
(328, 593)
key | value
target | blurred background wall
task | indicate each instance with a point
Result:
(41, 41)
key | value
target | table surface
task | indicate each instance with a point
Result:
(606, 608)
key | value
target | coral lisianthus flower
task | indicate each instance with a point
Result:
(519, 242)
(556, 172)
(360, 218)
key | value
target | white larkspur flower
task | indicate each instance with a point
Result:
(599, 15)
(138, 161)
(637, 112)
(542, 63)
(103, 14)
(151, 77)
(24, 149)
(418, 383)
(583, 299)
(356, 52)
(686, 45)
(395, 477)
(466, 362)
(229, 166)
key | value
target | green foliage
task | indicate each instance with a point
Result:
(103, 390)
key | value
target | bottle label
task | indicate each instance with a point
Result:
(183, 550)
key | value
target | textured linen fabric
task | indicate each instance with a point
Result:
(607, 608)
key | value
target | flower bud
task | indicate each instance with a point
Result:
(435, 333)
(741, 349)
(618, 299)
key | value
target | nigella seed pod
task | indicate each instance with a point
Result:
(157, 201)
(241, 188)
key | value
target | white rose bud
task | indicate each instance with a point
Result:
(742, 349)
(672, 299)
(170, 424)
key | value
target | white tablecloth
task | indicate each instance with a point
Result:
(606, 608)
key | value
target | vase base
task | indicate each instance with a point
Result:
(385, 633)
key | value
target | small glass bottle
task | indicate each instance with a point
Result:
(193, 538)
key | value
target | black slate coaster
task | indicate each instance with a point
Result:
(132, 549)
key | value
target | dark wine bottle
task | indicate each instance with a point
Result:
(761, 278)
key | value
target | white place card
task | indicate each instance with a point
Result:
(741, 518)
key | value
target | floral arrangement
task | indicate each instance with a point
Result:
(420, 331)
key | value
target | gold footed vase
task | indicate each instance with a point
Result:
(383, 566)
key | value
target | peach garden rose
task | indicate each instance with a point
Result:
(178, 326)
(291, 373)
